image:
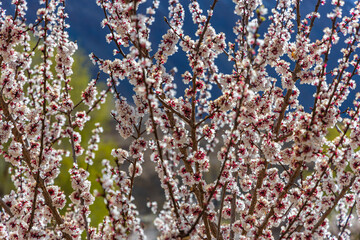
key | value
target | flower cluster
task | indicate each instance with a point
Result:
(250, 163)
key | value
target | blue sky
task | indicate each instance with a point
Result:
(85, 17)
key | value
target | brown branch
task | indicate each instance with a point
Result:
(220, 210)
(98, 101)
(221, 171)
(320, 177)
(326, 58)
(347, 220)
(132, 178)
(27, 158)
(159, 149)
(232, 217)
(172, 109)
(286, 99)
(6, 208)
(45, 57)
(339, 78)
(259, 183)
(281, 196)
(313, 17)
(298, 17)
(341, 195)
(112, 31)
(72, 141)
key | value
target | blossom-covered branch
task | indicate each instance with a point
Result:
(237, 154)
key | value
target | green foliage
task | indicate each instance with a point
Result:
(79, 81)
(332, 134)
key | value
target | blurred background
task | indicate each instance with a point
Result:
(85, 17)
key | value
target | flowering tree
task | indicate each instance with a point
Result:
(277, 173)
